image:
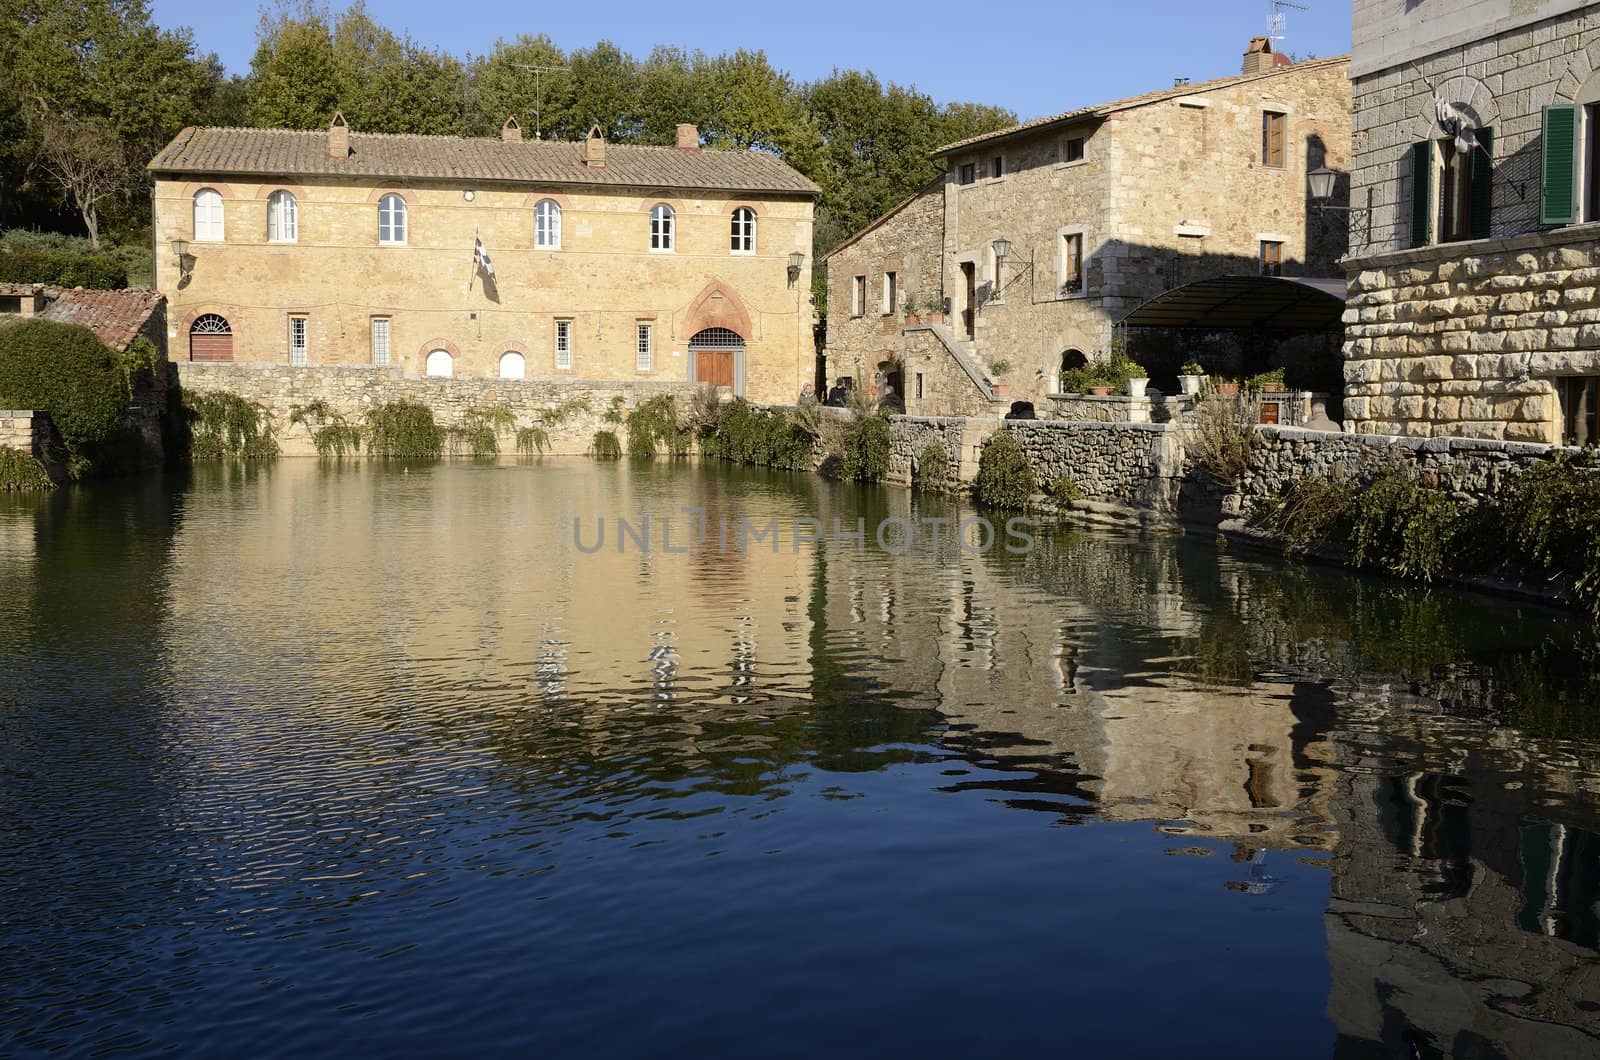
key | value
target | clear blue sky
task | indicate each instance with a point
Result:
(1032, 56)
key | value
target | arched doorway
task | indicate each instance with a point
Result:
(891, 373)
(441, 365)
(513, 366)
(210, 338)
(1071, 360)
(716, 357)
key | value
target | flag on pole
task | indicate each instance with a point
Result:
(480, 258)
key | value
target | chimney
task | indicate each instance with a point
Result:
(339, 137)
(1259, 57)
(594, 149)
(511, 132)
(688, 138)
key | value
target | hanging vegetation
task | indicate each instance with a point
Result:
(19, 471)
(653, 427)
(866, 450)
(331, 433)
(932, 472)
(760, 438)
(605, 446)
(481, 427)
(224, 426)
(403, 429)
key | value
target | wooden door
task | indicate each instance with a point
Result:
(714, 367)
(210, 347)
(969, 308)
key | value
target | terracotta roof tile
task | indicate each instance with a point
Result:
(116, 317)
(288, 152)
(1101, 110)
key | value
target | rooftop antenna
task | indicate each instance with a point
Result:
(538, 91)
(1278, 19)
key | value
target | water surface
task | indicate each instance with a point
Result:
(309, 759)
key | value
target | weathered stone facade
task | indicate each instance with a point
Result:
(352, 392)
(1135, 465)
(32, 432)
(1470, 337)
(600, 278)
(1103, 209)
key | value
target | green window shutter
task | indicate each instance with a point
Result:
(1482, 175)
(1559, 204)
(1421, 193)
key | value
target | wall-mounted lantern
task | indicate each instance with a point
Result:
(797, 261)
(180, 250)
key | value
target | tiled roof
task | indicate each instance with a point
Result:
(116, 317)
(1101, 110)
(288, 152)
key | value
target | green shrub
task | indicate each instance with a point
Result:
(66, 371)
(653, 427)
(61, 268)
(481, 428)
(332, 434)
(1225, 436)
(933, 468)
(866, 450)
(1551, 518)
(1063, 490)
(605, 446)
(20, 471)
(1004, 478)
(747, 435)
(403, 429)
(1403, 527)
(221, 425)
(533, 440)
(1309, 513)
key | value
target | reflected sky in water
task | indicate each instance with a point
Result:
(305, 758)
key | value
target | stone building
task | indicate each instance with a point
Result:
(486, 257)
(1040, 239)
(1473, 308)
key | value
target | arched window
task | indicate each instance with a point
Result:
(392, 220)
(744, 230)
(513, 366)
(662, 227)
(283, 218)
(210, 338)
(208, 216)
(440, 364)
(547, 225)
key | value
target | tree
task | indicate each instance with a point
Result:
(605, 92)
(503, 85)
(88, 161)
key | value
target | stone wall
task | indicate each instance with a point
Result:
(1438, 343)
(351, 392)
(1135, 465)
(937, 380)
(1470, 470)
(910, 435)
(33, 433)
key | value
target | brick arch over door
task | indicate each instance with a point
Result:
(717, 307)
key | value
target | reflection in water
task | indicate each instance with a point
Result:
(375, 757)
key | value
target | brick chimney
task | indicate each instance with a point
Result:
(1259, 57)
(688, 138)
(511, 132)
(594, 148)
(339, 137)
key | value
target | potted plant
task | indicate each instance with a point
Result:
(1135, 376)
(1102, 377)
(1077, 380)
(933, 309)
(999, 368)
(1270, 382)
(1227, 387)
(1193, 374)
(912, 318)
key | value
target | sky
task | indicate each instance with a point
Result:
(1031, 56)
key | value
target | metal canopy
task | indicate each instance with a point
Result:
(1242, 303)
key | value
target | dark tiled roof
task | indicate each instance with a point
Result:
(1101, 110)
(293, 153)
(116, 317)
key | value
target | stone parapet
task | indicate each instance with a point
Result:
(352, 392)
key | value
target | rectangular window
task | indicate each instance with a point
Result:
(10, 305)
(564, 344)
(1580, 403)
(1273, 125)
(1591, 162)
(1075, 149)
(1072, 263)
(380, 341)
(644, 349)
(968, 172)
(858, 296)
(890, 281)
(1271, 258)
(298, 342)
(919, 386)
(997, 167)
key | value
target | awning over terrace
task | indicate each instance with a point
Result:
(1287, 303)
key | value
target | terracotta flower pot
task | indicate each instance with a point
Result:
(1099, 391)
(1228, 389)
(1002, 390)
(912, 320)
